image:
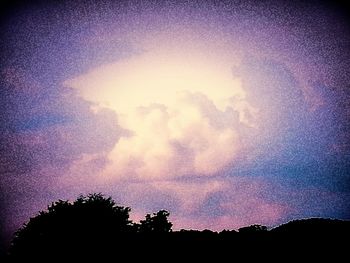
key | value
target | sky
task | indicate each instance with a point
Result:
(224, 113)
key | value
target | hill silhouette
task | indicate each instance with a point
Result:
(95, 226)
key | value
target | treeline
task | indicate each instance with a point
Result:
(94, 225)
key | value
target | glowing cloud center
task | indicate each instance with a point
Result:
(182, 110)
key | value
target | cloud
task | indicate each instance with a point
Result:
(183, 117)
(191, 116)
(168, 142)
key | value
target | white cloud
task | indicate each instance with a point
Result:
(167, 142)
(183, 116)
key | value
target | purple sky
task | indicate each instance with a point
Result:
(225, 113)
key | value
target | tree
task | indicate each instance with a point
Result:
(252, 229)
(156, 223)
(95, 208)
(91, 223)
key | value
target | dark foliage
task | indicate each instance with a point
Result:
(94, 226)
(253, 229)
(156, 223)
(86, 225)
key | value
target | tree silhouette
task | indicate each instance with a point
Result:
(252, 229)
(156, 223)
(95, 209)
(95, 225)
(88, 224)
